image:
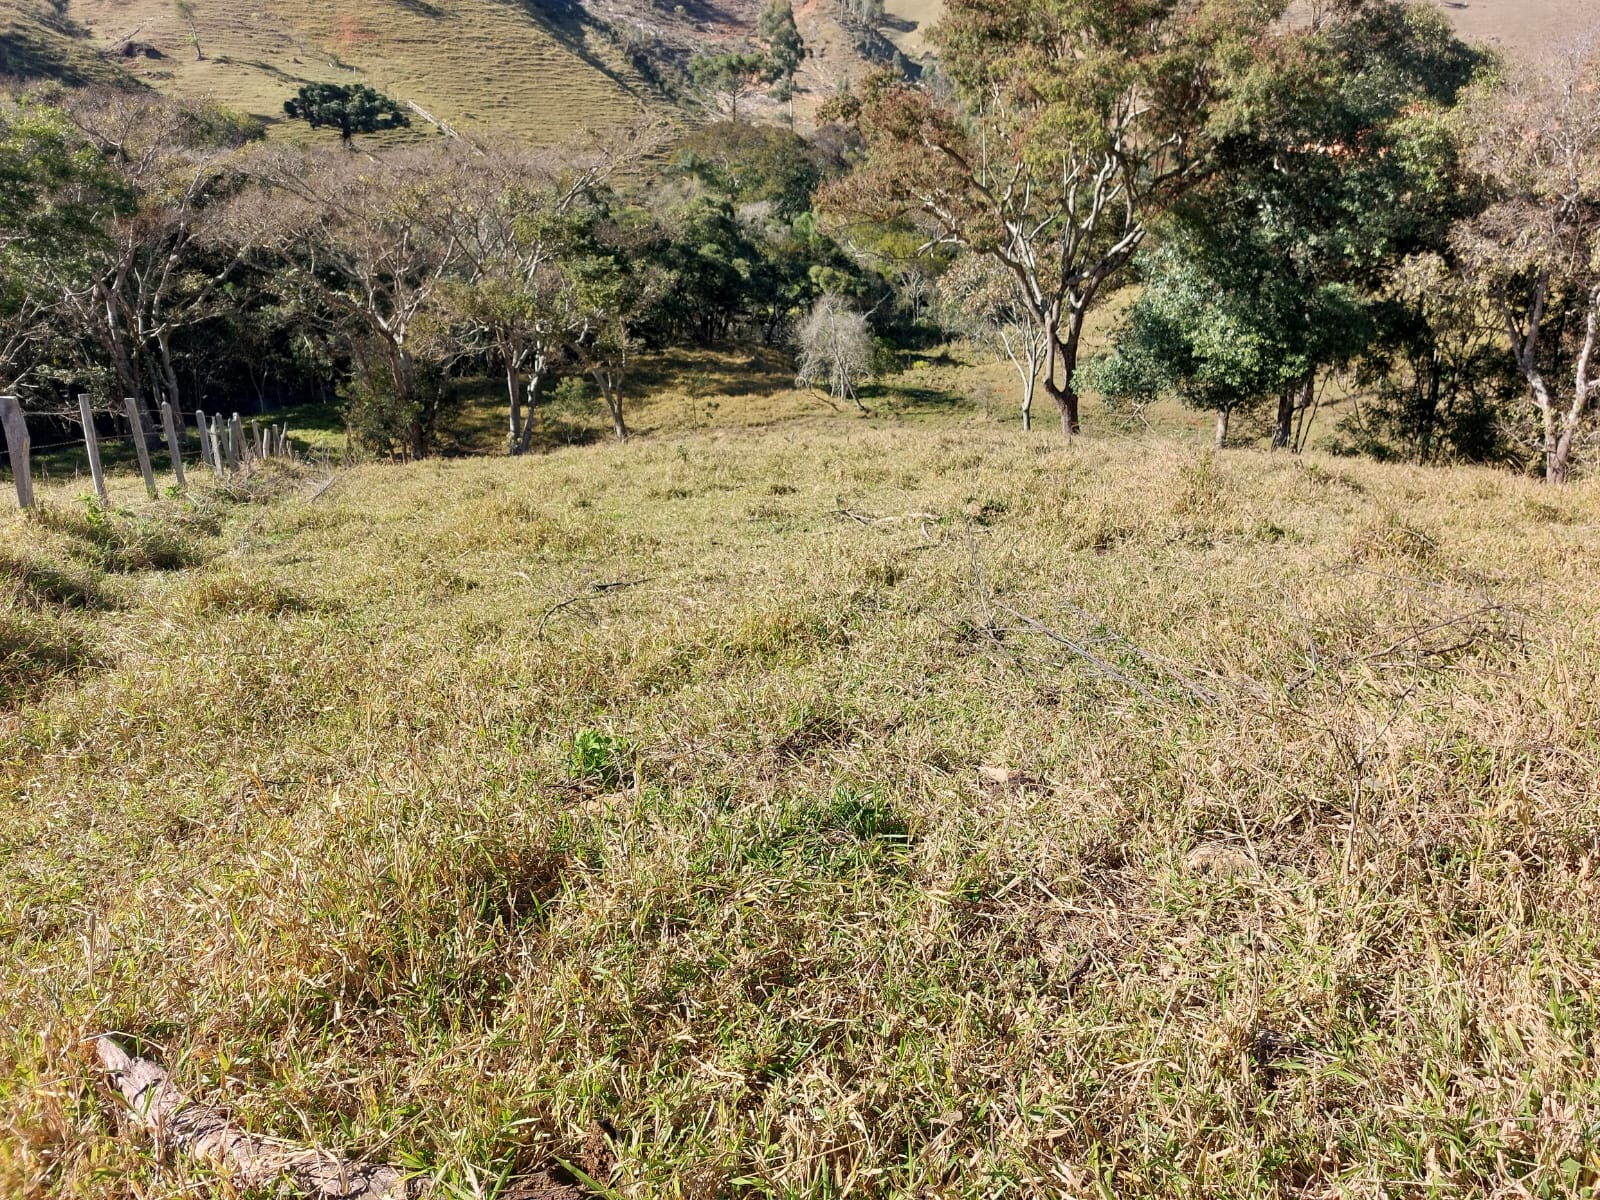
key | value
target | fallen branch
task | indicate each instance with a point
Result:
(867, 519)
(323, 487)
(1088, 656)
(251, 1162)
(571, 600)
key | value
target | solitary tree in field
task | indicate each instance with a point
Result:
(1535, 252)
(350, 108)
(786, 49)
(186, 13)
(835, 350)
(986, 304)
(726, 79)
(1075, 123)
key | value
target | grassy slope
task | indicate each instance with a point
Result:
(1291, 890)
(38, 43)
(478, 64)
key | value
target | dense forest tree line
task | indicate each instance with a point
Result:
(1350, 199)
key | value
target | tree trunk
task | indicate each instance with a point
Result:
(534, 376)
(1283, 427)
(1223, 416)
(1430, 415)
(151, 1100)
(1027, 405)
(1554, 471)
(514, 392)
(169, 377)
(1065, 393)
(1558, 455)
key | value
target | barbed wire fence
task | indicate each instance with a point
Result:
(226, 444)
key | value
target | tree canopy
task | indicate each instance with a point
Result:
(1073, 125)
(351, 108)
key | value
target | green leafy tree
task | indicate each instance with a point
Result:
(58, 196)
(350, 108)
(1223, 331)
(726, 79)
(521, 215)
(752, 163)
(1348, 167)
(1278, 266)
(1074, 124)
(786, 49)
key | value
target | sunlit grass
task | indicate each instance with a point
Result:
(888, 806)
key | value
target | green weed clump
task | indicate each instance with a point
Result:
(119, 539)
(1007, 819)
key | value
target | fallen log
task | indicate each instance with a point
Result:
(181, 1124)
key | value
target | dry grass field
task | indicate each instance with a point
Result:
(809, 806)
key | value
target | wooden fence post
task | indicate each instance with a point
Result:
(200, 428)
(239, 449)
(139, 446)
(91, 442)
(216, 447)
(17, 443)
(174, 442)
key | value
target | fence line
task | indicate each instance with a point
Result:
(222, 448)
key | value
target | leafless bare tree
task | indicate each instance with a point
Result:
(835, 349)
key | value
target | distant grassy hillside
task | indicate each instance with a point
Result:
(541, 71)
(529, 69)
(38, 42)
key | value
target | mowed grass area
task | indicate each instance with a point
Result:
(817, 808)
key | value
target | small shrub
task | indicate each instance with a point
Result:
(115, 539)
(598, 758)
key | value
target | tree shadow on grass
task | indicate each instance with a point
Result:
(568, 21)
(750, 371)
(913, 400)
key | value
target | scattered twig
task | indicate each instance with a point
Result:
(1311, 642)
(1088, 656)
(252, 1162)
(323, 487)
(1447, 623)
(1080, 972)
(1165, 666)
(593, 589)
(867, 519)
